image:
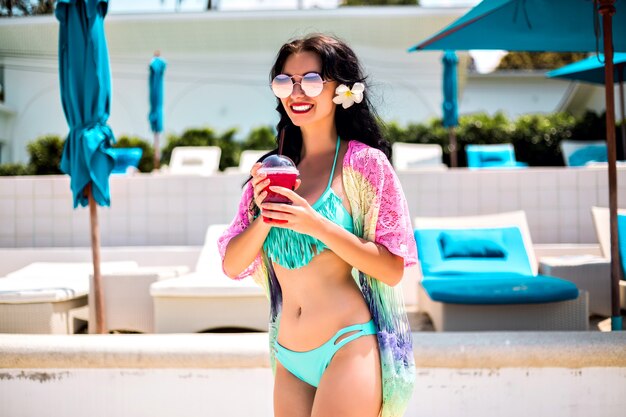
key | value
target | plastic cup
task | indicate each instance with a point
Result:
(282, 172)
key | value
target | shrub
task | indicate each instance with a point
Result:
(536, 138)
(45, 155)
(146, 163)
(260, 138)
(231, 150)
(7, 170)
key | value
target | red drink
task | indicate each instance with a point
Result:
(281, 172)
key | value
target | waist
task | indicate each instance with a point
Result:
(305, 326)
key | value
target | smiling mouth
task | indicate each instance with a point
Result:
(301, 108)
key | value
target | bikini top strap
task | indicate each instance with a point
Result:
(332, 172)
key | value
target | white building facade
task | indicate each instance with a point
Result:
(218, 70)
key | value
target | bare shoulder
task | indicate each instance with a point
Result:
(359, 153)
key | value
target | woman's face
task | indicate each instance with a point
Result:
(302, 109)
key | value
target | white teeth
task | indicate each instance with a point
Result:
(302, 108)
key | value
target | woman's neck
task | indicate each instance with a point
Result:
(317, 141)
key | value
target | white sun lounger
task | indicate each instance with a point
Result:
(207, 299)
(417, 156)
(127, 302)
(48, 297)
(601, 222)
(195, 160)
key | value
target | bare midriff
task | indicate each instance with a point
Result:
(318, 300)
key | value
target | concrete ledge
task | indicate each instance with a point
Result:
(250, 350)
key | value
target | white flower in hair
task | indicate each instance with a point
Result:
(347, 97)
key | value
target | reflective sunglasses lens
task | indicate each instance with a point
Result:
(282, 86)
(312, 84)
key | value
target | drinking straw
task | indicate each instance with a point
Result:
(280, 141)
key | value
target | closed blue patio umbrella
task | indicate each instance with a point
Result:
(551, 25)
(85, 83)
(155, 117)
(591, 70)
(450, 104)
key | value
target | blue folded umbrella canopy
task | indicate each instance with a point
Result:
(450, 103)
(558, 26)
(85, 94)
(155, 83)
(85, 82)
(529, 25)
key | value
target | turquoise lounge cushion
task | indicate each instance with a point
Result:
(433, 262)
(591, 153)
(472, 244)
(492, 156)
(621, 240)
(498, 288)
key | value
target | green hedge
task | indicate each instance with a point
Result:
(45, 155)
(10, 170)
(258, 138)
(536, 140)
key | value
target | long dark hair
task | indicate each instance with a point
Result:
(340, 64)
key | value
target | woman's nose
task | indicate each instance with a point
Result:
(297, 90)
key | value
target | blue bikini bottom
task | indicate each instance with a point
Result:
(310, 365)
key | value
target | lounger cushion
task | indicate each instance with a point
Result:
(42, 282)
(433, 261)
(591, 153)
(45, 289)
(472, 243)
(498, 288)
(200, 284)
(621, 233)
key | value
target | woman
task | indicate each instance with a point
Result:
(340, 343)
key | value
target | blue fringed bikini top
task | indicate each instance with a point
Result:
(294, 250)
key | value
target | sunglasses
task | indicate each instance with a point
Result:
(311, 83)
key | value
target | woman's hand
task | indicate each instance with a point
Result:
(259, 183)
(299, 216)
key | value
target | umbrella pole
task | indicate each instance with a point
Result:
(452, 147)
(95, 251)
(607, 9)
(620, 77)
(157, 151)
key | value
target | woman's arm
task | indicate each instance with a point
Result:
(241, 243)
(368, 257)
(242, 249)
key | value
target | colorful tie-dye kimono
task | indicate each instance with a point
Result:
(381, 215)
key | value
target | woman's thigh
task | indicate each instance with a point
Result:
(292, 396)
(352, 383)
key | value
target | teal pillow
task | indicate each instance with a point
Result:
(621, 233)
(474, 243)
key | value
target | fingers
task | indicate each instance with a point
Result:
(295, 198)
(275, 216)
(259, 184)
(255, 168)
(277, 208)
(297, 184)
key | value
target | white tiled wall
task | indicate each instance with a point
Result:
(156, 210)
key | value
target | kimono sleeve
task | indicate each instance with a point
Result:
(394, 228)
(238, 225)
